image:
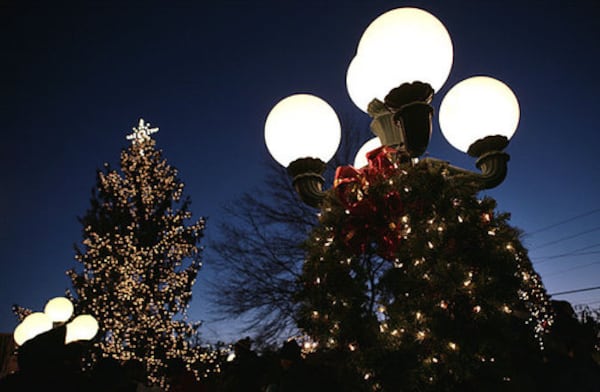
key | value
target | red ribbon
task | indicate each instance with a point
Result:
(370, 220)
(380, 166)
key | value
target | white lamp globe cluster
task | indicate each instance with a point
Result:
(406, 55)
(57, 311)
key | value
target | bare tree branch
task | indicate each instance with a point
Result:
(258, 253)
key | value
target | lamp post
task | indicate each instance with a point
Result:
(57, 312)
(403, 58)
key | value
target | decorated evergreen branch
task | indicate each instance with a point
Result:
(139, 259)
(422, 284)
(21, 312)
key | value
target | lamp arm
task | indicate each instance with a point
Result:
(493, 166)
(307, 178)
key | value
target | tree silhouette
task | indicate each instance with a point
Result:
(139, 259)
(259, 251)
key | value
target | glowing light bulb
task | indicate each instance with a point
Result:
(83, 327)
(31, 326)
(400, 46)
(59, 309)
(300, 126)
(478, 107)
(360, 160)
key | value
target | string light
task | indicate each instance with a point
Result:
(140, 257)
(428, 265)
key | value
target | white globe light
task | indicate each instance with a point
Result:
(477, 107)
(21, 334)
(402, 46)
(367, 79)
(302, 126)
(33, 325)
(361, 156)
(83, 327)
(59, 309)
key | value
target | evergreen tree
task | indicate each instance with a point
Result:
(139, 258)
(421, 285)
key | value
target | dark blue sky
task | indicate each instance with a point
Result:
(76, 77)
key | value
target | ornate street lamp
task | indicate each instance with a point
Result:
(57, 312)
(403, 57)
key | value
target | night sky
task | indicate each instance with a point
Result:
(76, 77)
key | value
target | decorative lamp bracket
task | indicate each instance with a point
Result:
(307, 178)
(403, 120)
(492, 161)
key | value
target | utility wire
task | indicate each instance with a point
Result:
(571, 269)
(574, 252)
(576, 291)
(567, 238)
(562, 222)
(562, 256)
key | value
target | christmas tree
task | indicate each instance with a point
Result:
(419, 284)
(139, 258)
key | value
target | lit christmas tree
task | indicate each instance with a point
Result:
(139, 259)
(421, 284)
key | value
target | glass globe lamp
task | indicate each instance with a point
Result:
(302, 126)
(31, 326)
(59, 309)
(360, 160)
(403, 45)
(476, 108)
(83, 327)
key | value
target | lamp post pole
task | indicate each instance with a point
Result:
(407, 267)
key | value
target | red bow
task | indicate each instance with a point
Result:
(371, 218)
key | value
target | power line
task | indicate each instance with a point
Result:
(574, 252)
(567, 238)
(572, 269)
(562, 222)
(576, 291)
(571, 254)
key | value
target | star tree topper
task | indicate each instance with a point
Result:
(141, 133)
